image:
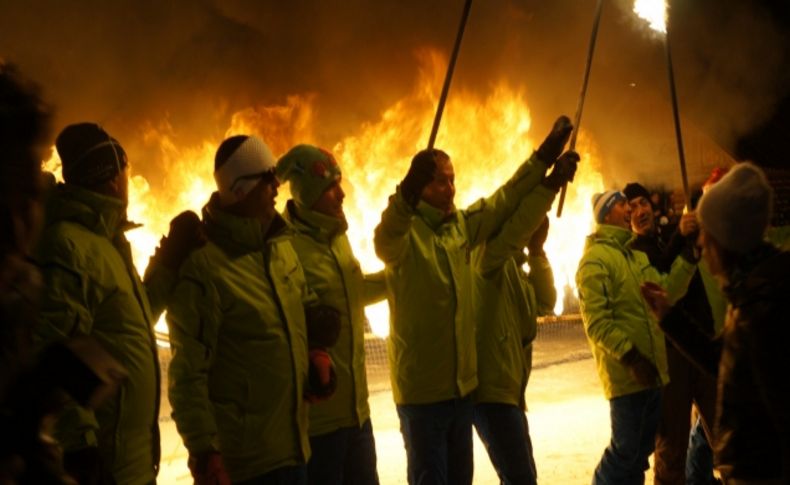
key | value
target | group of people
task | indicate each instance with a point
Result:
(689, 349)
(267, 379)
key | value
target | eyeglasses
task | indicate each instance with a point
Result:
(268, 177)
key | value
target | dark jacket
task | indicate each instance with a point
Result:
(752, 430)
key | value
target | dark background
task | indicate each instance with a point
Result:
(194, 63)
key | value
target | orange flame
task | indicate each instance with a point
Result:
(487, 137)
(654, 11)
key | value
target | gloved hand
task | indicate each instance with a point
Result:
(641, 368)
(421, 173)
(552, 146)
(86, 466)
(323, 325)
(538, 239)
(186, 234)
(322, 380)
(563, 171)
(208, 469)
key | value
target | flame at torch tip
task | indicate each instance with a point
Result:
(654, 12)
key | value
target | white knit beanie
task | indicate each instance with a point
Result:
(736, 210)
(240, 172)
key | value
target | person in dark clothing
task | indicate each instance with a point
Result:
(687, 384)
(751, 435)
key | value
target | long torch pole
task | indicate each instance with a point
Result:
(676, 116)
(580, 106)
(449, 76)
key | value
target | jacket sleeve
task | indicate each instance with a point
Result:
(159, 282)
(374, 288)
(194, 322)
(391, 237)
(486, 216)
(541, 279)
(594, 283)
(67, 307)
(677, 280)
(517, 229)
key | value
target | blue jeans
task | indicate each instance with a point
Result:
(634, 421)
(344, 456)
(287, 475)
(699, 459)
(438, 441)
(504, 430)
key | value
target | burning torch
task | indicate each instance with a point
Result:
(449, 76)
(655, 12)
(578, 118)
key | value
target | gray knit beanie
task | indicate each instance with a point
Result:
(737, 209)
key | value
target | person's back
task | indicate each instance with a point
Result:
(92, 288)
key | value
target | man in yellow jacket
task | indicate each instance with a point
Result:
(625, 339)
(426, 245)
(341, 435)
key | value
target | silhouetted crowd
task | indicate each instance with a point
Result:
(683, 310)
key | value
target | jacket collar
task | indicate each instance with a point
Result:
(614, 235)
(101, 214)
(434, 217)
(319, 226)
(240, 234)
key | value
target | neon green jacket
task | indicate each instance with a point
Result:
(431, 288)
(510, 303)
(92, 288)
(616, 318)
(334, 274)
(239, 343)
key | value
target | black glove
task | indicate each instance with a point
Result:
(323, 325)
(87, 467)
(186, 234)
(552, 146)
(421, 173)
(538, 239)
(641, 369)
(563, 171)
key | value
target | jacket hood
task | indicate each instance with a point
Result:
(99, 213)
(612, 235)
(320, 227)
(240, 234)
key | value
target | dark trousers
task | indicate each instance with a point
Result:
(438, 441)
(345, 456)
(504, 430)
(287, 475)
(634, 420)
(687, 385)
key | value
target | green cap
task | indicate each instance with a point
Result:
(310, 171)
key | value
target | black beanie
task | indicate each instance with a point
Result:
(634, 190)
(90, 156)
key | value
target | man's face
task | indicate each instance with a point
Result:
(331, 201)
(619, 215)
(642, 218)
(440, 193)
(260, 201)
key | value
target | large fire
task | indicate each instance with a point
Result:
(486, 136)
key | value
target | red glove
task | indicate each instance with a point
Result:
(208, 469)
(322, 380)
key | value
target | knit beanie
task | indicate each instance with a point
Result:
(736, 210)
(634, 190)
(89, 155)
(603, 203)
(240, 163)
(310, 171)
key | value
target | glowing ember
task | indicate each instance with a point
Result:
(654, 11)
(487, 138)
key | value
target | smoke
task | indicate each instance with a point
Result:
(191, 65)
